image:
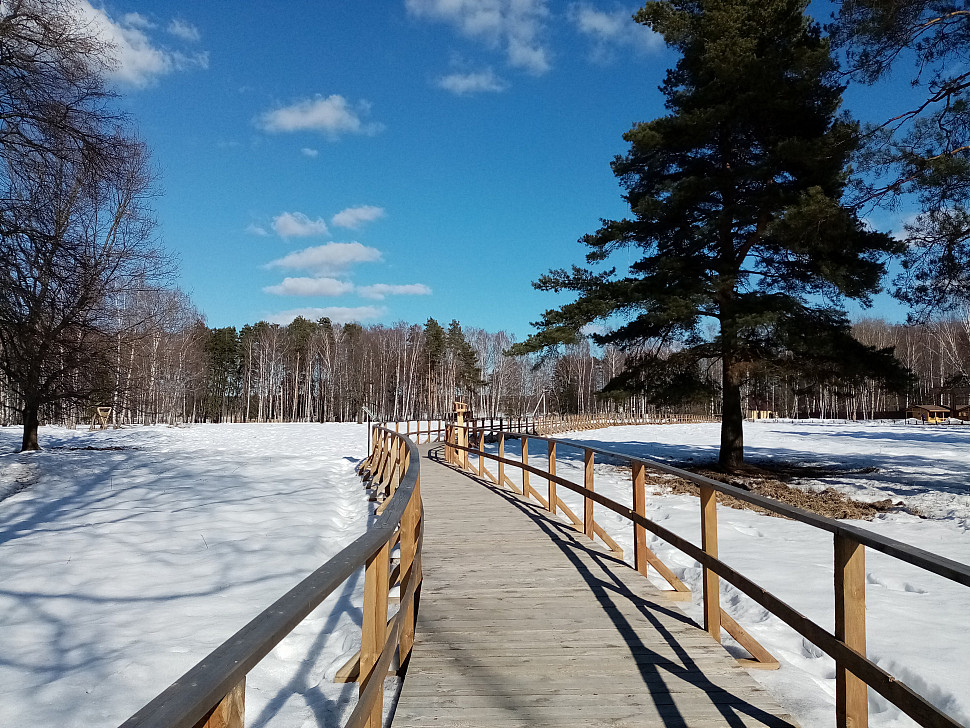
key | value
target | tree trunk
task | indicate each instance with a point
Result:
(732, 419)
(31, 423)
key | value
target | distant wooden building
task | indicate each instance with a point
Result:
(761, 415)
(963, 412)
(928, 412)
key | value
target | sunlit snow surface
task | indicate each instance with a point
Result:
(917, 622)
(121, 568)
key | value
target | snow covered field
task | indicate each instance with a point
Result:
(121, 568)
(122, 565)
(917, 622)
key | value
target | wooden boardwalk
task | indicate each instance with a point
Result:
(525, 622)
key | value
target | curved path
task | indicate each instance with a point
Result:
(525, 622)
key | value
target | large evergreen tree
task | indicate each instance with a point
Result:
(737, 208)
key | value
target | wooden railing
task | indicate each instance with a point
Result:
(212, 694)
(854, 671)
(548, 424)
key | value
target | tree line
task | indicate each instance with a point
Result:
(179, 370)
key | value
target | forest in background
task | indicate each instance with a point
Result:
(174, 369)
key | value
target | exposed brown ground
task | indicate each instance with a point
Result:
(774, 482)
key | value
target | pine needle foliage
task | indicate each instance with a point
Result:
(743, 250)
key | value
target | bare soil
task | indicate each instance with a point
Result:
(773, 482)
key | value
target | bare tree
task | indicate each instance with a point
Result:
(74, 224)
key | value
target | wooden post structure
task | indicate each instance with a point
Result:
(588, 502)
(461, 436)
(231, 710)
(481, 454)
(501, 465)
(553, 495)
(374, 630)
(639, 507)
(525, 461)
(410, 570)
(712, 602)
(851, 702)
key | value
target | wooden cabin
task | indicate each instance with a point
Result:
(931, 413)
(963, 412)
(761, 415)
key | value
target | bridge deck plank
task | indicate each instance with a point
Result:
(525, 622)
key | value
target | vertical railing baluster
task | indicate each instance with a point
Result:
(553, 495)
(712, 602)
(231, 710)
(374, 629)
(851, 702)
(525, 461)
(501, 464)
(640, 508)
(587, 501)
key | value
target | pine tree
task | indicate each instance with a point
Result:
(747, 250)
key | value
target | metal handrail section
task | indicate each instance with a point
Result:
(844, 650)
(188, 701)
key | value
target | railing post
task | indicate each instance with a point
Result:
(525, 461)
(712, 602)
(588, 502)
(553, 495)
(501, 465)
(640, 507)
(410, 529)
(374, 630)
(481, 453)
(231, 710)
(851, 702)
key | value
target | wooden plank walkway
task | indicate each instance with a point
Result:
(525, 622)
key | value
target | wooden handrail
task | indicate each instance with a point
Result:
(854, 671)
(195, 700)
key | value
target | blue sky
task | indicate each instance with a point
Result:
(381, 160)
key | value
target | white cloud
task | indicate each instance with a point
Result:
(184, 30)
(472, 83)
(515, 25)
(308, 152)
(310, 287)
(258, 230)
(354, 217)
(332, 116)
(379, 291)
(337, 314)
(327, 259)
(298, 225)
(138, 61)
(612, 30)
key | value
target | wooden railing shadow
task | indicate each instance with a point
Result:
(212, 694)
(608, 591)
(847, 645)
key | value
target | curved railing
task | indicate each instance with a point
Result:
(847, 645)
(212, 694)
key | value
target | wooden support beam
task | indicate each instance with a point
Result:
(639, 506)
(525, 461)
(851, 703)
(374, 631)
(553, 496)
(763, 660)
(230, 711)
(712, 604)
(588, 484)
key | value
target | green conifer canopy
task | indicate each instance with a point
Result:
(742, 249)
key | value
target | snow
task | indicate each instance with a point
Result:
(122, 566)
(916, 621)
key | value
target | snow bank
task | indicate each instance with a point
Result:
(916, 621)
(125, 564)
